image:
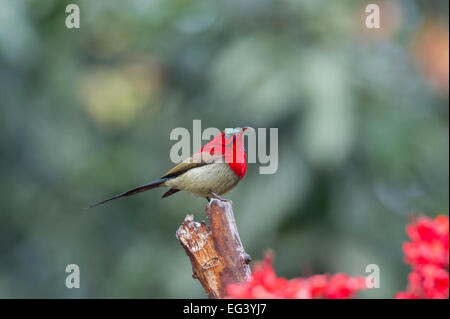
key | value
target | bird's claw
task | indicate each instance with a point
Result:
(214, 195)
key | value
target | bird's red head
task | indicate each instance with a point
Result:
(230, 143)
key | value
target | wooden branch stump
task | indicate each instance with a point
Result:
(215, 251)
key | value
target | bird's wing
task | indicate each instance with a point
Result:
(199, 159)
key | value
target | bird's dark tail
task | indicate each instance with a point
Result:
(133, 191)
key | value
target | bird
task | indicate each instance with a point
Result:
(211, 172)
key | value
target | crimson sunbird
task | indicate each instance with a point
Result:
(213, 171)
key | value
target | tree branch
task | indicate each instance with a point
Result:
(216, 252)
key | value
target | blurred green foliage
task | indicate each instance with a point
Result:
(86, 113)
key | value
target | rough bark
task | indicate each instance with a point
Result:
(215, 251)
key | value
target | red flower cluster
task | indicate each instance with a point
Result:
(427, 253)
(264, 284)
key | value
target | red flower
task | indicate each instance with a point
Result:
(427, 253)
(264, 284)
(429, 242)
(406, 295)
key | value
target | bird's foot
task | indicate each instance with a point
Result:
(214, 195)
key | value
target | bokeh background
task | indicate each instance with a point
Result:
(85, 113)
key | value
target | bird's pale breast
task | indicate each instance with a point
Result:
(218, 178)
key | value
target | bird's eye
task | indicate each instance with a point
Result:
(229, 142)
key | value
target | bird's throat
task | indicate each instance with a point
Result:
(239, 169)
